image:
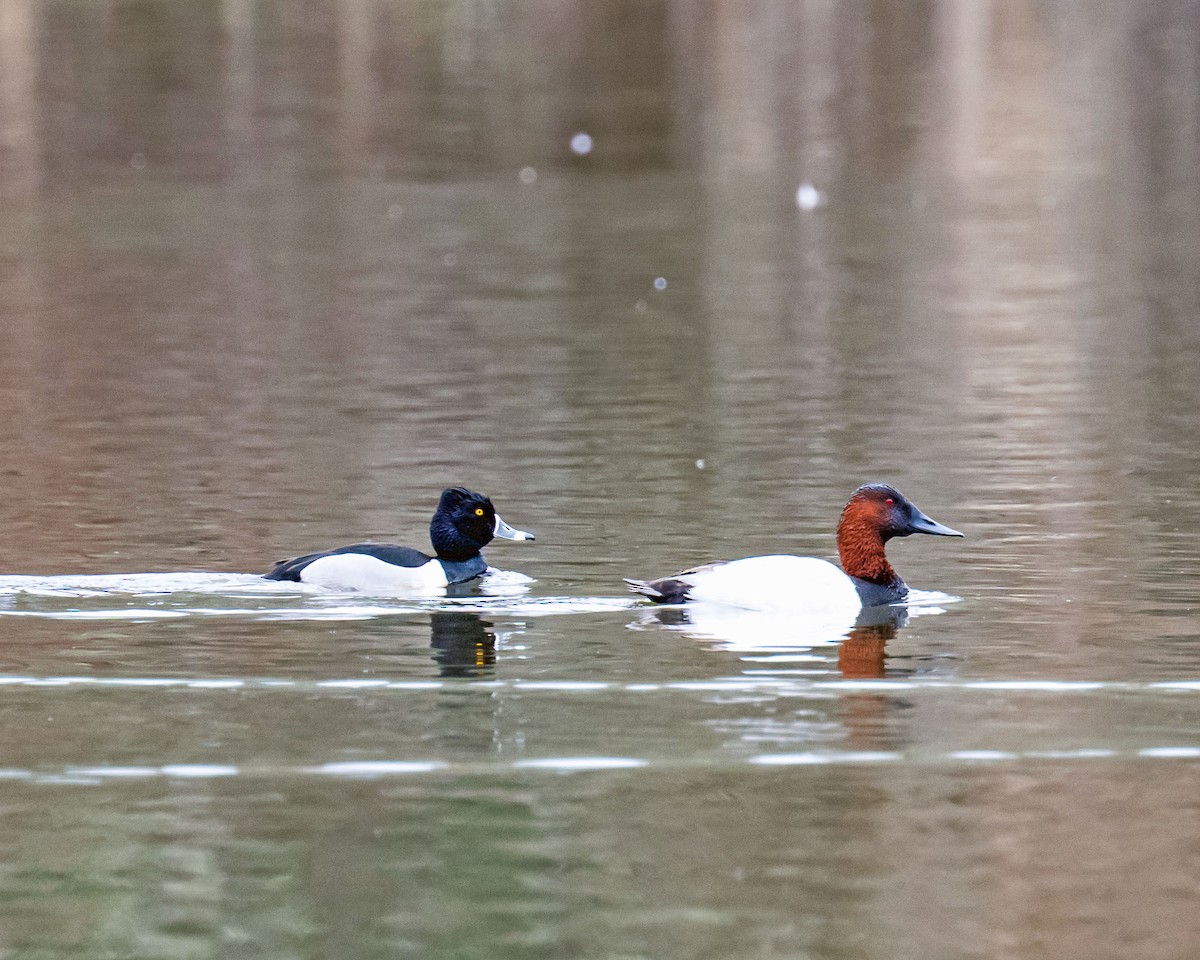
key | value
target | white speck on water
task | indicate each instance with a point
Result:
(395, 211)
(981, 755)
(376, 768)
(215, 684)
(576, 685)
(700, 464)
(581, 144)
(808, 197)
(138, 681)
(115, 772)
(660, 283)
(571, 764)
(1171, 753)
(788, 759)
(450, 259)
(867, 684)
(528, 175)
(352, 684)
(1064, 686)
(414, 685)
(199, 770)
(1086, 753)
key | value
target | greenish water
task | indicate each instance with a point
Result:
(272, 275)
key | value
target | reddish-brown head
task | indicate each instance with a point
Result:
(875, 513)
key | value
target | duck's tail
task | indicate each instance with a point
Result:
(666, 590)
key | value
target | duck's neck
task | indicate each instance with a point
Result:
(860, 547)
(450, 544)
(459, 571)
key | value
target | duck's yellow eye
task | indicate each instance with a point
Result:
(479, 511)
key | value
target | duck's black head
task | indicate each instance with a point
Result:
(465, 522)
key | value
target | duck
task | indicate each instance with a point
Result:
(874, 514)
(464, 523)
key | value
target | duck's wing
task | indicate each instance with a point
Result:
(387, 552)
(672, 589)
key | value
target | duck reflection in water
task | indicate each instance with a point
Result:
(464, 644)
(862, 654)
(861, 643)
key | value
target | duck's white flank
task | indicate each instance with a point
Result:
(775, 583)
(360, 573)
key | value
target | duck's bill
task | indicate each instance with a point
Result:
(923, 524)
(505, 532)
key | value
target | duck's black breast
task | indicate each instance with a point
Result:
(387, 552)
(878, 594)
(460, 571)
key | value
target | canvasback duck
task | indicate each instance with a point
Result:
(464, 523)
(875, 513)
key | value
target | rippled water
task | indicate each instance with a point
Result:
(272, 275)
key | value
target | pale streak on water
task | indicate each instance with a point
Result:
(272, 275)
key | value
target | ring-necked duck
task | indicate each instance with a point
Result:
(875, 513)
(464, 523)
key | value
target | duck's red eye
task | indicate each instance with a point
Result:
(889, 501)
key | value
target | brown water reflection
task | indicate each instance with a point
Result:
(273, 274)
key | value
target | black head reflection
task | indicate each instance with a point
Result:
(463, 644)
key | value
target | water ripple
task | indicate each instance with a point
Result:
(95, 774)
(790, 684)
(139, 597)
